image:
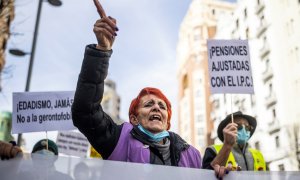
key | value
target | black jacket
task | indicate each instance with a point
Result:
(89, 117)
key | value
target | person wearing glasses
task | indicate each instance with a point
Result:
(234, 153)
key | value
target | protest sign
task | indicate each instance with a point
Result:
(42, 111)
(72, 143)
(229, 66)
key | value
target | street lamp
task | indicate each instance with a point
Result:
(17, 52)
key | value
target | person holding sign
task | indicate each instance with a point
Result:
(146, 138)
(234, 153)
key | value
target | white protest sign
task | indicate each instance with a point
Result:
(72, 143)
(229, 66)
(42, 111)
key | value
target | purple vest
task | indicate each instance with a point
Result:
(129, 149)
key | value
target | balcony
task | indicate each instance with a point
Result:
(265, 50)
(262, 28)
(267, 74)
(273, 126)
(270, 100)
(259, 8)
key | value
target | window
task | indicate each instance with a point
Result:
(198, 93)
(245, 13)
(186, 127)
(200, 131)
(274, 113)
(185, 82)
(281, 167)
(277, 141)
(267, 62)
(292, 25)
(297, 52)
(197, 33)
(253, 100)
(237, 23)
(247, 33)
(270, 89)
(201, 143)
(200, 118)
(262, 21)
(197, 37)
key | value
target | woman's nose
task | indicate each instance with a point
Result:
(156, 107)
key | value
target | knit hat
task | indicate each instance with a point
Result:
(42, 144)
(251, 120)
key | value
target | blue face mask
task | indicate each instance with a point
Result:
(243, 136)
(154, 137)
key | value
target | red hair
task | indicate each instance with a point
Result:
(146, 91)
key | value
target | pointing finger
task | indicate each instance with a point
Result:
(100, 9)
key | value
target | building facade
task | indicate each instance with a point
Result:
(199, 24)
(279, 55)
(111, 101)
(271, 28)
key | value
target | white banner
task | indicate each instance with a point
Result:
(72, 143)
(41, 167)
(229, 66)
(42, 111)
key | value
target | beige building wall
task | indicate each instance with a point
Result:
(199, 24)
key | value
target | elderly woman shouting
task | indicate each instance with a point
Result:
(146, 138)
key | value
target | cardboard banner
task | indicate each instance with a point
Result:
(36, 166)
(42, 111)
(72, 143)
(229, 66)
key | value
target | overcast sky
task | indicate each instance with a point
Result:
(144, 50)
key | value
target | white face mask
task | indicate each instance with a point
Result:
(43, 159)
(45, 152)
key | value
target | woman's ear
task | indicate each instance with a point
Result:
(133, 119)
